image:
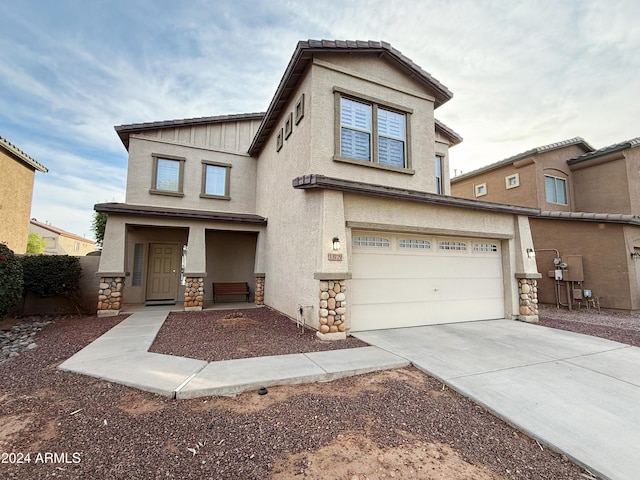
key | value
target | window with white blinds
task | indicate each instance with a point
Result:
(168, 175)
(555, 189)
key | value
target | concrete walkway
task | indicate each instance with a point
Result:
(121, 356)
(578, 394)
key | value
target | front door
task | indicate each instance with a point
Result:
(164, 268)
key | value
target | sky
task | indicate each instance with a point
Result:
(523, 74)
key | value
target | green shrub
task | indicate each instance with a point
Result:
(10, 280)
(35, 244)
(49, 275)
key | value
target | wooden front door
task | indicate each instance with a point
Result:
(164, 269)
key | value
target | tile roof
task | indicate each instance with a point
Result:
(448, 132)
(124, 131)
(523, 155)
(303, 54)
(11, 148)
(151, 211)
(592, 217)
(616, 147)
(59, 231)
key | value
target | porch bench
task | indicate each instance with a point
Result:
(232, 288)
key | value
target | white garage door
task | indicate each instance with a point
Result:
(408, 280)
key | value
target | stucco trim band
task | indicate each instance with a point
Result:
(330, 183)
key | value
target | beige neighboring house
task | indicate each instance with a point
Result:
(60, 242)
(590, 207)
(16, 191)
(333, 203)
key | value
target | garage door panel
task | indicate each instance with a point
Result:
(394, 287)
(413, 314)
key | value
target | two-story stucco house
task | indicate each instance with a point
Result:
(16, 191)
(333, 203)
(589, 201)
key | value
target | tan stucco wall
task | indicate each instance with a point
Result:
(192, 144)
(230, 258)
(16, 189)
(606, 260)
(603, 187)
(368, 75)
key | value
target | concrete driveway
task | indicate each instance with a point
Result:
(577, 394)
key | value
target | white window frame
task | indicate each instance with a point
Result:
(512, 181)
(373, 131)
(556, 180)
(480, 189)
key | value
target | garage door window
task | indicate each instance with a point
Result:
(448, 245)
(379, 242)
(414, 243)
(485, 247)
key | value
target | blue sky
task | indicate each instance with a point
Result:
(523, 73)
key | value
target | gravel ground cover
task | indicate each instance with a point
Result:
(394, 424)
(214, 335)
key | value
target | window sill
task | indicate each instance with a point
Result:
(168, 193)
(215, 197)
(406, 171)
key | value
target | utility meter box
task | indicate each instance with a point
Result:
(558, 274)
(574, 271)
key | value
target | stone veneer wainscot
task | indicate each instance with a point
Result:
(193, 293)
(333, 306)
(110, 295)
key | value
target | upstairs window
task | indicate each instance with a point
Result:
(373, 132)
(555, 189)
(439, 161)
(167, 175)
(215, 180)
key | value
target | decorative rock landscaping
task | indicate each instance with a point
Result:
(193, 293)
(18, 339)
(110, 294)
(333, 303)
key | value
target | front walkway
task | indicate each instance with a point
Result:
(121, 356)
(578, 394)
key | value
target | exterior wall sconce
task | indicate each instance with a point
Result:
(531, 253)
(635, 255)
(336, 243)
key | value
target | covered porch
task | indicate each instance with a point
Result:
(172, 258)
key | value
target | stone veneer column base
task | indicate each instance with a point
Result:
(528, 293)
(259, 295)
(193, 293)
(333, 310)
(110, 296)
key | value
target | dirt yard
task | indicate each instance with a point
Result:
(396, 424)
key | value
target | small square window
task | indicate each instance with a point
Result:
(215, 180)
(512, 181)
(481, 189)
(299, 109)
(279, 140)
(288, 125)
(168, 175)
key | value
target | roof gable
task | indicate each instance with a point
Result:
(21, 156)
(299, 62)
(616, 147)
(521, 156)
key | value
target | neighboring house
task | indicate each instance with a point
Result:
(16, 190)
(59, 242)
(333, 203)
(590, 201)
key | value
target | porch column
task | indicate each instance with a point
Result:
(526, 271)
(112, 267)
(195, 269)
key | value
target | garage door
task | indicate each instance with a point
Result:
(406, 280)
